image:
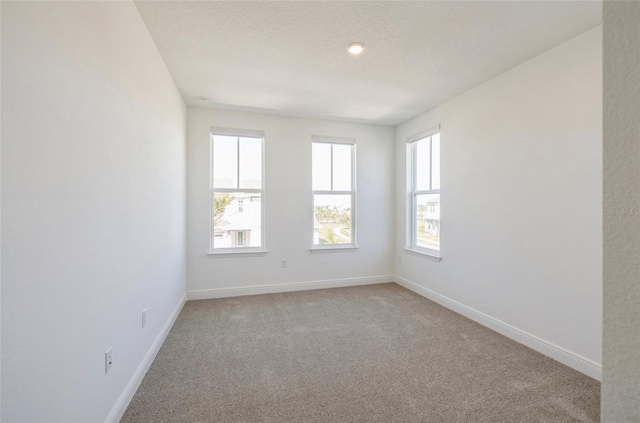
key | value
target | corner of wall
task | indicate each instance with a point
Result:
(129, 391)
(620, 388)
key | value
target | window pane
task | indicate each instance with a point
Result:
(251, 163)
(427, 218)
(332, 223)
(341, 167)
(435, 161)
(321, 166)
(225, 162)
(423, 161)
(237, 220)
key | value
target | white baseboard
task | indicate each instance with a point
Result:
(558, 353)
(206, 294)
(564, 356)
(125, 398)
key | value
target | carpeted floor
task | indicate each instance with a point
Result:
(377, 353)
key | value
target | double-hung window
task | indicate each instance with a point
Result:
(334, 195)
(424, 200)
(237, 191)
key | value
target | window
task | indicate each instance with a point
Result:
(424, 202)
(240, 242)
(334, 195)
(237, 191)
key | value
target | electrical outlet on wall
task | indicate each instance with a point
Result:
(108, 360)
(400, 259)
(283, 262)
(144, 317)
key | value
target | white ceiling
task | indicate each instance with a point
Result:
(290, 57)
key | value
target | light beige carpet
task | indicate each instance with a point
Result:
(376, 353)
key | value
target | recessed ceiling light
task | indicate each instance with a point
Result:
(204, 100)
(355, 48)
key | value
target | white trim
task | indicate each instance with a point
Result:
(558, 353)
(240, 190)
(354, 198)
(237, 252)
(423, 134)
(319, 192)
(429, 254)
(412, 204)
(129, 391)
(262, 191)
(333, 140)
(333, 248)
(248, 133)
(206, 294)
(352, 193)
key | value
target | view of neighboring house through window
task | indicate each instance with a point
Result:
(333, 191)
(424, 154)
(237, 187)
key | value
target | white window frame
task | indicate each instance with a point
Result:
(413, 193)
(237, 251)
(319, 139)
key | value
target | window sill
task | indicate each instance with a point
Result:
(430, 255)
(237, 252)
(345, 249)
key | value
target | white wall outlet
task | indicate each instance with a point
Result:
(400, 259)
(283, 262)
(144, 317)
(108, 360)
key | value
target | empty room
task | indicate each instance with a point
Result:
(315, 212)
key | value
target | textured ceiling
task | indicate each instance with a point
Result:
(290, 57)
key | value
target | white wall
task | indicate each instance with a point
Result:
(289, 225)
(620, 387)
(0, 212)
(521, 201)
(93, 210)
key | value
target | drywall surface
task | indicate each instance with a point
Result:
(521, 198)
(93, 205)
(621, 381)
(0, 211)
(288, 202)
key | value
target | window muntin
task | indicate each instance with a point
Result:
(237, 193)
(425, 194)
(333, 183)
